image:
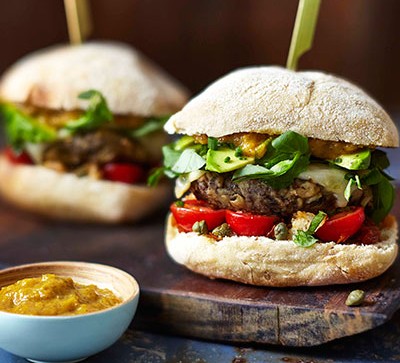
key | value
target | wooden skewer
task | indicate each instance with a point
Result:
(303, 31)
(78, 19)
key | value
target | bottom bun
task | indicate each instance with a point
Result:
(267, 262)
(67, 196)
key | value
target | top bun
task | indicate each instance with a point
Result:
(273, 100)
(132, 85)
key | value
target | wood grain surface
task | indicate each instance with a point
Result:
(177, 301)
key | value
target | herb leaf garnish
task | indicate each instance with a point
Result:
(306, 238)
(21, 128)
(188, 161)
(287, 156)
(96, 115)
(151, 125)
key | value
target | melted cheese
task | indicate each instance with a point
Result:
(184, 181)
(35, 151)
(332, 179)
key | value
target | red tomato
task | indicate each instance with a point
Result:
(248, 224)
(123, 172)
(341, 226)
(368, 234)
(18, 158)
(195, 211)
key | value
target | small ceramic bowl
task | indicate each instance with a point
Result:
(68, 338)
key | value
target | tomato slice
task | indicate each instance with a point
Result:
(123, 172)
(18, 158)
(248, 224)
(194, 211)
(341, 226)
(368, 234)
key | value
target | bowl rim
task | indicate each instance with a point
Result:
(70, 263)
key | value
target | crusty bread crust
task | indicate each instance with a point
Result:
(66, 196)
(273, 100)
(266, 262)
(132, 84)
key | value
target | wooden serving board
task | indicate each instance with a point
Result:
(177, 301)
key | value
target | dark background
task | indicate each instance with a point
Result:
(199, 40)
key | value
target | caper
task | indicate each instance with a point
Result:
(222, 231)
(200, 227)
(356, 297)
(280, 231)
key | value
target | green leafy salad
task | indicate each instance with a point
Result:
(22, 128)
(285, 158)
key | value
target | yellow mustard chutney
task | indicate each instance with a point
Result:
(54, 295)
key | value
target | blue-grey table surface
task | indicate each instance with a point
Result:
(381, 344)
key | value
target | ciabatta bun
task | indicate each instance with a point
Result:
(66, 196)
(53, 78)
(273, 100)
(266, 262)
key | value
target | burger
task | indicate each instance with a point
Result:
(280, 181)
(84, 126)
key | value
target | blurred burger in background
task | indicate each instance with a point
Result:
(84, 126)
(280, 181)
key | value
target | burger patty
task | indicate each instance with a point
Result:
(99, 147)
(258, 197)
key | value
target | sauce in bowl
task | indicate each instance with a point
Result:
(54, 295)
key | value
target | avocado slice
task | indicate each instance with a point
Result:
(357, 161)
(224, 160)
(183, 142)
